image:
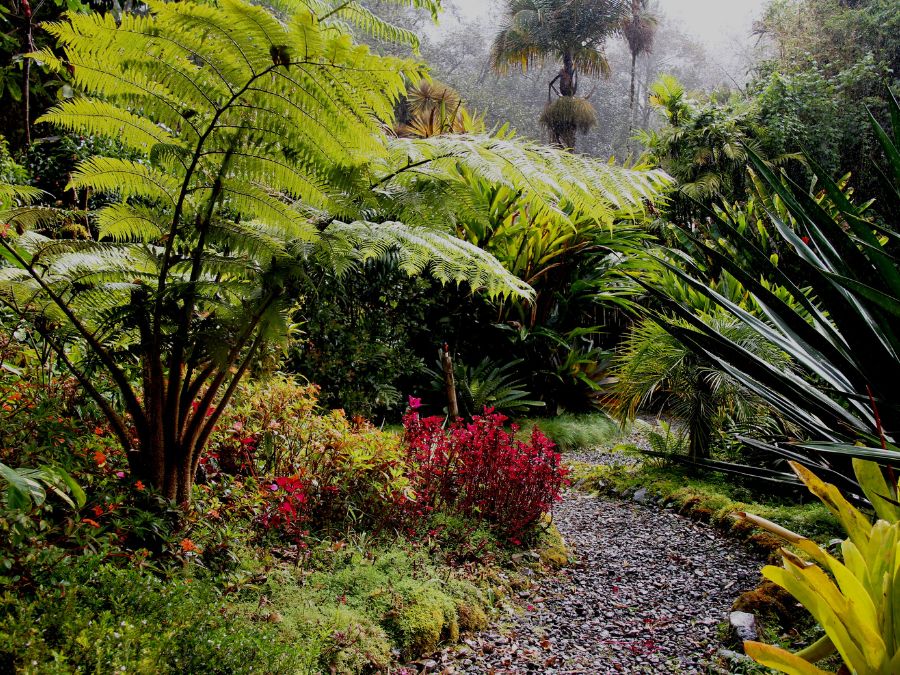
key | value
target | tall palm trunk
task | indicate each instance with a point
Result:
(633, 65)
(568, 84)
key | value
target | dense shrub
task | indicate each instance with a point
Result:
(44, 422)
(480, 470)
(364, 336)
(315, 470)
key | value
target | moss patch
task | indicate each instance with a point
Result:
(422, 619)
(349, 609)
(551, 547)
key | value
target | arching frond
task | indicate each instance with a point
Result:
(446, 257)
(363, 19)
(548, 180)
(100, 118)
(592, 62)
(13, 195)
(125, 178)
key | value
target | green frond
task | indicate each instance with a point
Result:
(125, 178)
(254, 203)
(100, 118)
(17, 195)
(363, 19)
(549, 180)
(446, 257)
(127, 222)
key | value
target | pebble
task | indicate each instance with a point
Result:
(646, 594)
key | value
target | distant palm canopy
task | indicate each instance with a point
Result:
(571, 31)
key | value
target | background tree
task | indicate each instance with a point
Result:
(828, 62)
(639, 30)
(574, 33)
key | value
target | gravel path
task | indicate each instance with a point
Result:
(646, 594)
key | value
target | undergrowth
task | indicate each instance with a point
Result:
(576, 432)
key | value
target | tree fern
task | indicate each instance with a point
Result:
(259, 143)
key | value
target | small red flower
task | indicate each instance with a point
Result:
(99, 458)
(415, 403)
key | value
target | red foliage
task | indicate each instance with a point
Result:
(478, 469)
(287, 507)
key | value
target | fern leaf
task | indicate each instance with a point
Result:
(100, 118)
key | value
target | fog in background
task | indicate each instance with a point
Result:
(707, 44)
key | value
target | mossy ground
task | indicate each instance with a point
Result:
(712, 498)
(349, 608)
(355, 608)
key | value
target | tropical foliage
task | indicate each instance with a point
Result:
(840, 333)
(853, 598)
(191, 270)
(653, 367)
(233, 236)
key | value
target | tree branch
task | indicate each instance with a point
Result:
(131, 402)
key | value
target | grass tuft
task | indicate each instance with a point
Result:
(576, 432)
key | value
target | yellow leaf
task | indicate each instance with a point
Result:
(871, 480)
(857, 525)
(780, 659)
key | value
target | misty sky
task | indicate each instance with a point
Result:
(712, 21)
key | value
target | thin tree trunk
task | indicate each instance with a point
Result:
(26, 73)
(449, 382)
(633, 65)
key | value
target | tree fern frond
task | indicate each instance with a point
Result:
(363, 19)
(31, 217)
(12, 195)
(126, 178)
(445, 256)
(100, 118)
(127, 222)
(255, 203)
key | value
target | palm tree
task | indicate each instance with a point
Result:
(572, 31)
(639, 30)
(653, 366)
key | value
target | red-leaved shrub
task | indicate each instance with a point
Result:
(478, 469)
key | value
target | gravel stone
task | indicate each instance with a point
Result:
(645, 594)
